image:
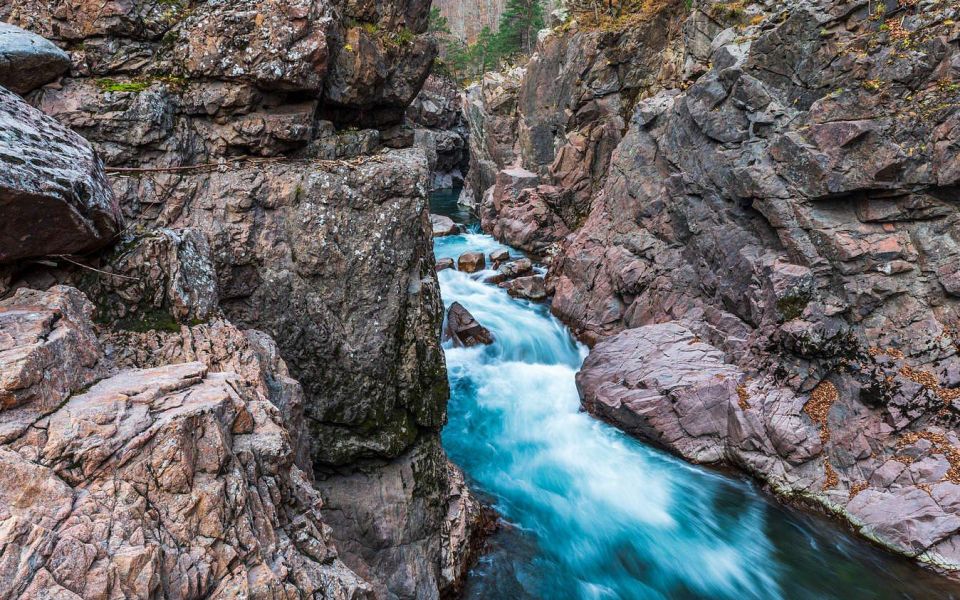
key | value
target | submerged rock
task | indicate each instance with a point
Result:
(463, 329)
(471, 262)
(28, 61)
(54, 196)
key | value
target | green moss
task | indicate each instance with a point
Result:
(151, 319)
(791, 307)
(111, 85)
(141, 83)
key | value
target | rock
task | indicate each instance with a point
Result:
(48, 349)
(524, 218)
(157, 280)
(471, 262)
(28, 61)
(325, 248)
(529, 288)
(443, 226)
(368, 507)
(499, 256)
(179, 434)
(760, 198)
(445, 263)
(512, 270)
(440, 131)
(463, 329)
(54, 196)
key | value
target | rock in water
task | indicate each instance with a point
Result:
(54, 196)
(530, 288)
(471, 262)
(663, 384)
(443, 226)
(463, 329)
(445, 263)
(27, 60)
(512, 270)
(497, 257)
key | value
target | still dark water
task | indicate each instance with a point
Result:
(594, 514)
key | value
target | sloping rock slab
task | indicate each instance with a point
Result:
(54, 196)
(662, 383)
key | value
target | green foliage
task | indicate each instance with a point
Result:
(438, 22)
(516, 36)
(110, 85)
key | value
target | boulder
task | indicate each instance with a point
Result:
(443, 226)
(512, 270)
(28, 61)
(661, 383)
(499, 256)
(463, 329)
(54, 195)
(529, 288)
(471, 262)
(445, 263)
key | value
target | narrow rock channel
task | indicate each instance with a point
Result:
(589, 512)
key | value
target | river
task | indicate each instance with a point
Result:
(591, 513)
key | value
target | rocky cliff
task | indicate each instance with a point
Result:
(239, 263)
(750, 214)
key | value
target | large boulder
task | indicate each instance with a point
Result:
(27, 60)
(663, 384)
(54, 196)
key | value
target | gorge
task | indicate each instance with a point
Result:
(663, 309)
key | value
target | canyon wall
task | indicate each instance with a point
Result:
(467, 18)
(247, 281)
(750, 213)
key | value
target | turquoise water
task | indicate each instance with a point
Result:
(591, 513)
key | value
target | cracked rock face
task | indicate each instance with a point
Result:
(53, 192)
(766, 269)
(174, 481)
(271, 241)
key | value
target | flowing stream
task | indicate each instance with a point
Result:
(591, 513)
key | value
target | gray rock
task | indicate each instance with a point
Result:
(512, 270)
(54, 196)
(28, 61)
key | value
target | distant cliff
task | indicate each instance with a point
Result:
(467, 18)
